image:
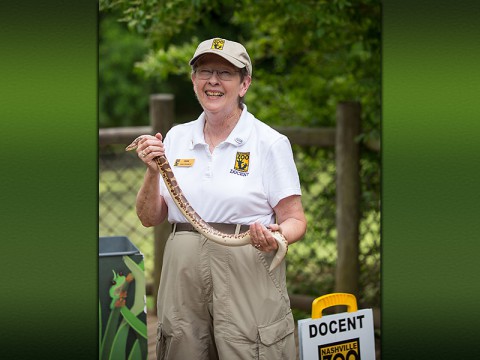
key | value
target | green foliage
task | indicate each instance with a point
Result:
(123, 94)
(308, 55)
(313, 55)
(312, 261)
(316, 276)
(163, 63)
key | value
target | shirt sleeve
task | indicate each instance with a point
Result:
(280, 175)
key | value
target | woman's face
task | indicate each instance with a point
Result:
(215, 94)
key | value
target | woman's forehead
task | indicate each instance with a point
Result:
(214, 60)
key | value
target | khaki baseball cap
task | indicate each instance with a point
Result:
(232, 51)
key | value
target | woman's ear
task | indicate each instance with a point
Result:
(245, 85)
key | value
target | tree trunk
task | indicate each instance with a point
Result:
(348, 197)
(162, 116)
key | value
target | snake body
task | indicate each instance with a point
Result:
(198, 223)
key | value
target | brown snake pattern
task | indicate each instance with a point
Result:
(198, 223)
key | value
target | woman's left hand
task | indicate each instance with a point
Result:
(262, 238)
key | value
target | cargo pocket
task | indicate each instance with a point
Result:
(273, 338)
(163, 343)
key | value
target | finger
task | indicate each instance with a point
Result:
(144, 152)
(267, 244)
(141, 147)
(151, 146)
(256, 231)
(144, 139)
(273, 227)
(254, 235)
(156, 147)
(141, 152)
(263, 236)
(272, 243)
(155, 151)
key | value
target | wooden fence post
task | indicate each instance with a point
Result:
(162, 116)
(347, 158)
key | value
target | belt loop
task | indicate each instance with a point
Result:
(237, 229)
(174, 228)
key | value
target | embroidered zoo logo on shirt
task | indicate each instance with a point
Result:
(242, 161)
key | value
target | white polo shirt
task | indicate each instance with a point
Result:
(240, 183)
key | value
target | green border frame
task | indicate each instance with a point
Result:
(49, 177)
(430, 177)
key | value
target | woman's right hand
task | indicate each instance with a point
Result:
(150, 147)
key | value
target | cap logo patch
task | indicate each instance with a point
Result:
(218, 44)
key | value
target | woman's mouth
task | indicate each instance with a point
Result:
(214, 93)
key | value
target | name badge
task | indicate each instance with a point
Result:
(184, 162)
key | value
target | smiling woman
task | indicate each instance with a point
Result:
(238, 174)
(218, 79)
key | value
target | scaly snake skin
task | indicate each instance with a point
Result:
(198, 223)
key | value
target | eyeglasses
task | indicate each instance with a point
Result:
(225, 75)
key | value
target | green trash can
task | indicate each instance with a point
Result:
(122, 300)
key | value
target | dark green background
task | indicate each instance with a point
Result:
(431, 177)
(48, 172)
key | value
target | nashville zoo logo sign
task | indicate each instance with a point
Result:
(338, 337)
(342, 350)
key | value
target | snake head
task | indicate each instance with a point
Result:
(134, 143)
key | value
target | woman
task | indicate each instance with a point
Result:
(215, 301)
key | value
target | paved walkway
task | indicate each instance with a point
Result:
(152, 334)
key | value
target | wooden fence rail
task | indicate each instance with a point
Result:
(321, 137)
(343, 138)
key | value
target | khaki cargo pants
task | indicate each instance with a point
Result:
(219, 302)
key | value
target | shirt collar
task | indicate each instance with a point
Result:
(241, 131)
(238, 136)
(197, 134)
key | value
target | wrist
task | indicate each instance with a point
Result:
(152, 172)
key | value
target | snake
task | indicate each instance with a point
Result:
(197, 222)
